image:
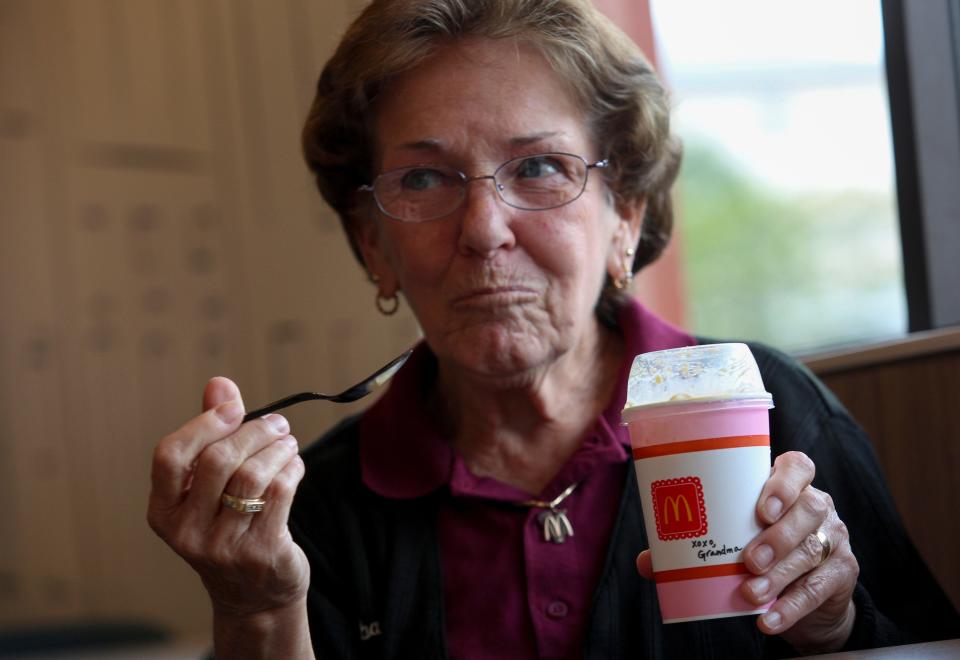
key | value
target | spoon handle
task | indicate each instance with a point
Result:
(279, 404)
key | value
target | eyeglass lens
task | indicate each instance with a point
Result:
(530, 183)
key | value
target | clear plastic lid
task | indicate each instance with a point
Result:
(694, 373)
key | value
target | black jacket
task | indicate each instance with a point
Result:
(376, 589)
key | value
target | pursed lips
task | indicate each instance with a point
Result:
(495, 295)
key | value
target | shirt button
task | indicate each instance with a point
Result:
(557, 609)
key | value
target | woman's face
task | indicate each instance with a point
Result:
(497, 291)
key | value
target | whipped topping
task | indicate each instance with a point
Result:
(709, 371)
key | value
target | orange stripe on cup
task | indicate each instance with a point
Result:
(700, 572)
(707, 444)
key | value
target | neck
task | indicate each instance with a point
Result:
(522, 431)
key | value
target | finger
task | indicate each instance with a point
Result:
(219, 390)
(792, 472)
(271, 523)
(217, 463)
(808, 512)
(645, 565)
(830, 586)
(806, 557)
(251, 479)
(175, 455)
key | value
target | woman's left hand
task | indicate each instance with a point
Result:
(814, 610)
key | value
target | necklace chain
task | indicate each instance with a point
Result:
(540, 504)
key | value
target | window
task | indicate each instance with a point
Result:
(786, 200)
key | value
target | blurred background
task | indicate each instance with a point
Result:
(158, 227)
(787, 195)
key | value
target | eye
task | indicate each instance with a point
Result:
(423, 178)
(537, 167)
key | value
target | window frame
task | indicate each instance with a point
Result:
(923, 82)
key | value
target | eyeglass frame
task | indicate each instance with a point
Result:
(499, 187)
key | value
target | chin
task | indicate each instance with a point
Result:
(499, 353)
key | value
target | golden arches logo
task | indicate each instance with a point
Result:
(674, 502)
(678, 508)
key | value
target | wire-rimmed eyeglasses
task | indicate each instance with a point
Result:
(530, 183)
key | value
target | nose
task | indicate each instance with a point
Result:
(485, 220)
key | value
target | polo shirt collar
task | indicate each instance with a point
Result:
(402, 453)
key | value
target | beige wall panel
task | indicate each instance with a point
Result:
(152, 288)
(38, 563)
(39, 544)
(17, 94)
(158, 227)
(315, 30)
(133, 69)
(147, 63)
(93, 72)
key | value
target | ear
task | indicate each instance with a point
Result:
(625, 236)
(368, 233)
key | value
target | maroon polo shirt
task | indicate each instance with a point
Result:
(507, 591)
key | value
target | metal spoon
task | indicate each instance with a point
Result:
(358, 391)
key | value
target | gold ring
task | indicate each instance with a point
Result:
(825, 547)
(242, 504)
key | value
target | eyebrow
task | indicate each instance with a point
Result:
(524, 140)
(429, 144)
(433, 144)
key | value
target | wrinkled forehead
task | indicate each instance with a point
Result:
(482, 96)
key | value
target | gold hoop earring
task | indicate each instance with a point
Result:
(387, 305)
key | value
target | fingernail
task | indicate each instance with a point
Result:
(773, 508)
(230, 411)
(762, 555)
(771, 620)
(291, 442)
(278, 423)
(759, 587)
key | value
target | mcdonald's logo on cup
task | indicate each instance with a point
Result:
(679, 508)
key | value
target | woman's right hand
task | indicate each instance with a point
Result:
(249, 563)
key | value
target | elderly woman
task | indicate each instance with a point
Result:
(506, 166)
